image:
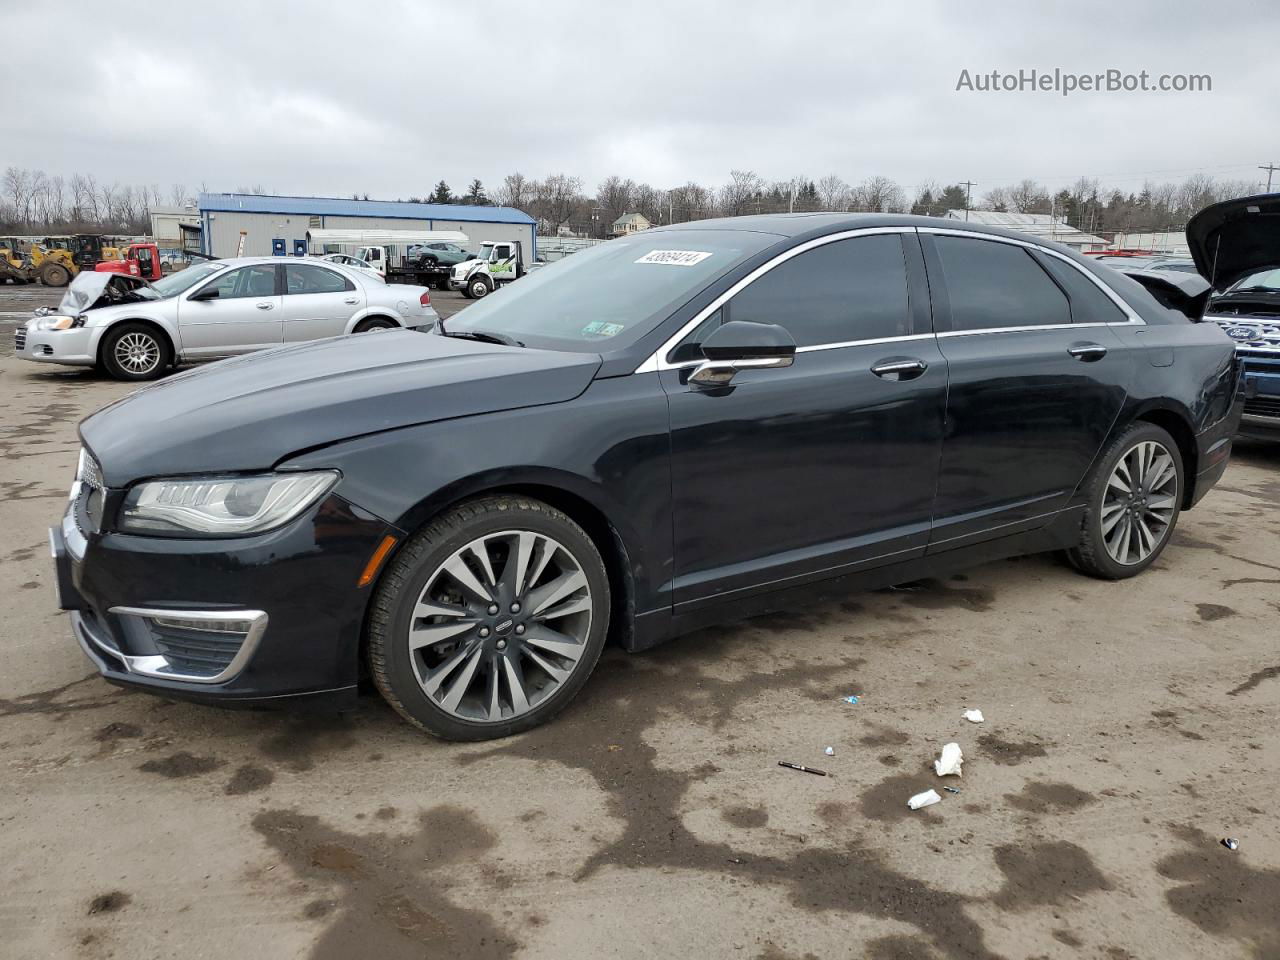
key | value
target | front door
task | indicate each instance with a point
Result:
(828, 465)
(318, 302)
(1038, 376)
(245, 315)
(502, 262)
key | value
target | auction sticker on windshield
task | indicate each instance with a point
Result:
(674, 258)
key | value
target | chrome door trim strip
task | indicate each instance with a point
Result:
(657, 360)
(862, 343)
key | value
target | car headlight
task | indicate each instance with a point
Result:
(222, 506)
(55, 323)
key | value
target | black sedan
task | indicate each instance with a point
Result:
(687, 425)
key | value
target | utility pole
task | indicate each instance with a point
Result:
(1270, 168)
(968, 196)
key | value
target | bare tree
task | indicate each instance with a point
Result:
(690, 202)
(650, 202)
(996, 199)
(614, 195)
(178, 195)
(555, 198)
(109, 200)
(17, 186)
(833, 193)
(1027, 196)
(879, 195)
(741, 193)
(516, 191)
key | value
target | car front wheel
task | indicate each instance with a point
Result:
(489, 620)
(134, 351)
(1134, 498)
(478, 288)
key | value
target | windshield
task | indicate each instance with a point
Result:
(613, 294)
(1268, 279)
(175, 283)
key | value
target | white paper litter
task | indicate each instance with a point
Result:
(973, 716)
(830, 751)
(926, 799)
(949, 763)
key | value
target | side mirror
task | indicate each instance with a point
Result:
(208, 293)
(740, 345)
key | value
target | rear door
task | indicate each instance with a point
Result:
(318, 302)
(827, 465)
(1037, 378)
(245, 316)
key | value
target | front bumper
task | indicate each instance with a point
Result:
(54, 346)
(1261, 418)
(268, 620)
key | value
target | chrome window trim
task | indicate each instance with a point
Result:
(862, 343)
(1133, 321)
(658, 359)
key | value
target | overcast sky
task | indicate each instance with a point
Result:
(329, 99)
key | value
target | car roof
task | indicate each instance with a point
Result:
(796, 225)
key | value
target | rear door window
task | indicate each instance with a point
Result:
(993, 285)
(307, 278)
(1088, 303)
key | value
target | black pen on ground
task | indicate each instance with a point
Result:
(802, 768)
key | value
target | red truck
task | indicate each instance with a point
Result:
(140, 260)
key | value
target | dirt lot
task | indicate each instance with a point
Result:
(1129, 727)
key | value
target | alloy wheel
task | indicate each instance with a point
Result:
(1139, 502)
(500, 626)
(137, 353)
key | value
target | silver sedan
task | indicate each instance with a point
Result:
(136, 331)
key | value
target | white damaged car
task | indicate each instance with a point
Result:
(136, 330)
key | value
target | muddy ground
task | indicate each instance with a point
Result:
(1129, 727)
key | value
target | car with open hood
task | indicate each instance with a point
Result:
(135, 330)
(688, 425)
(1236, 246)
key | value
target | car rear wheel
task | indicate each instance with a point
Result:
(1134, 498)
(134, 351)
(374, 323)
(489, 620)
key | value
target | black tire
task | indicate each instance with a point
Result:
(54, 275)
(478, 288)
(430, 262)
(375, 323)
(401, 587)
(147, 340)
(1092, 555)
(441, 285)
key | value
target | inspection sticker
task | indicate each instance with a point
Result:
(675, 258)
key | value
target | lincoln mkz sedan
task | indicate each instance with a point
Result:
(693, 424)
(138, 331)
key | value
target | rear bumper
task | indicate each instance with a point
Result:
(272, 620)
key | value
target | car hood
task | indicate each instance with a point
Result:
(1235, 237)
(86, 292)
(251, 412)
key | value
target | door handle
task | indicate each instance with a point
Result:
(1087, 352)
(351, 300)
(266, 306)
(900, 368)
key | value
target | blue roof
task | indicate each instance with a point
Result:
(336, 207)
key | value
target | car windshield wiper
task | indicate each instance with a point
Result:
(484, 336)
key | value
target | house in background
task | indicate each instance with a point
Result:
(1038, 225)
(630, 223)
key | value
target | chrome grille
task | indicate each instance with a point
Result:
(1263, 407)
(20, 338)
